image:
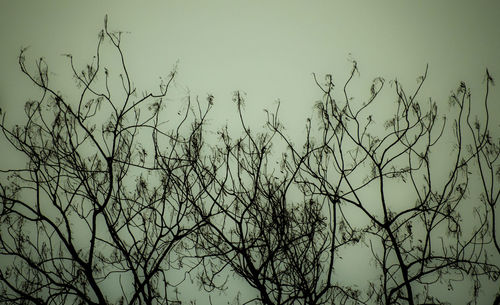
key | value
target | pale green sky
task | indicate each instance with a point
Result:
(269, 49)
(266, 48)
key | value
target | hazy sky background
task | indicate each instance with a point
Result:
(268, 49)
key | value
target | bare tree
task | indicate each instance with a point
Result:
(486, 153)
(99, 213)
(264, 224)
(418, 238)
(113, 195)
(282, 224)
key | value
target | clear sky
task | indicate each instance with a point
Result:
(268, 49)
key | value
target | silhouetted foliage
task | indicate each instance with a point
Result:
(95, 207)
(418, 238)
(120, 190)
(263, 222)
(357, 187)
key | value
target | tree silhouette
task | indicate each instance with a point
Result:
(114, 195)
(263, 224)
(95, 210)
(418, 240)
(287, 221)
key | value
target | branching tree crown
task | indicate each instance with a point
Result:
(120, 190)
